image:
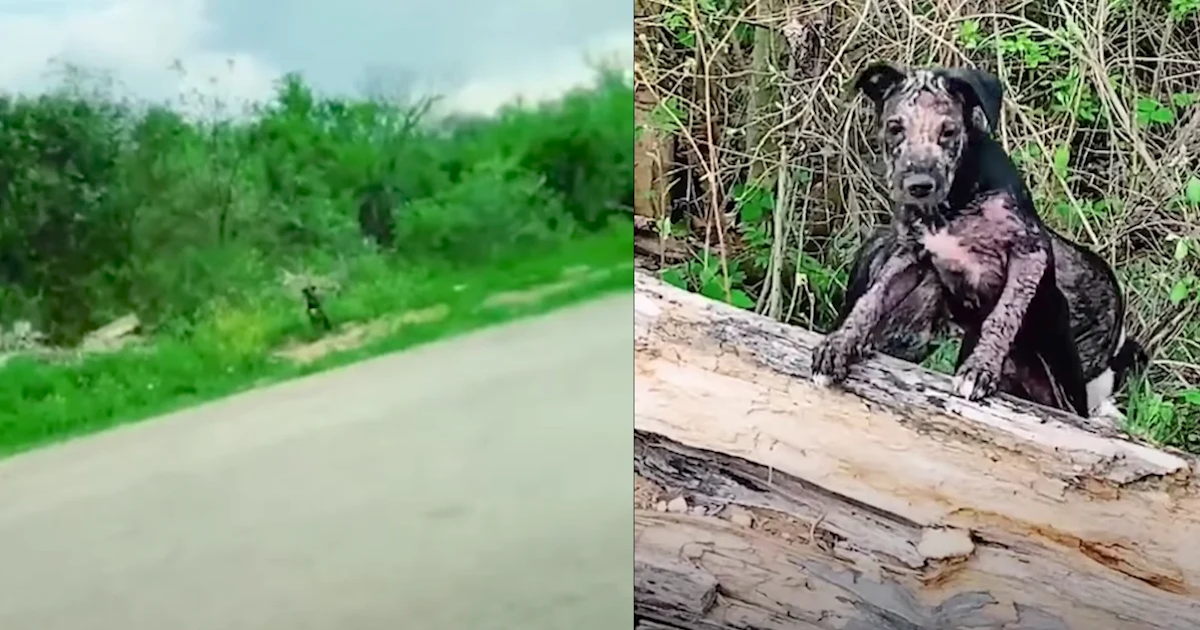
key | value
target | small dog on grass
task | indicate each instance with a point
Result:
(316, 313)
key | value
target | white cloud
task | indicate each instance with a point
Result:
(168, 50)
(137, 42)
(555, 73)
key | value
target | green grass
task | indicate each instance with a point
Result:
(110, 206)
(46, 402)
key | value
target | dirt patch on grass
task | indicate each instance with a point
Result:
(526, 296)
(572, 276)
(355, 336)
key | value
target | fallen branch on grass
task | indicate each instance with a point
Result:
(764, 502)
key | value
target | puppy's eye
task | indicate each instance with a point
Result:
(949, 132)
(894, 129)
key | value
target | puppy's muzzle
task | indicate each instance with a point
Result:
(919, 186)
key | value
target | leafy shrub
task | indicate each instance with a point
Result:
(108, 207)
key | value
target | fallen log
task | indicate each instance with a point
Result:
(765, 503)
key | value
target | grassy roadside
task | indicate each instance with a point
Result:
(411, 224)
(44, 402)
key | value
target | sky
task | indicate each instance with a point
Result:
(477, 54)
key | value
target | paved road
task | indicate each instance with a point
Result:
(476, 484)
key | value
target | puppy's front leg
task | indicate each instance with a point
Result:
(979, 375)
(852, 340)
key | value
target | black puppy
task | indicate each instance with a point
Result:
(316, 314)
(1095, 302)
(959, 248)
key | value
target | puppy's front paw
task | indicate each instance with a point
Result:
(832, 358)
(976, 380)
(1107, 413)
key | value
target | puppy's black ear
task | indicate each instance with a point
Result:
(981, 92)
(877, 80)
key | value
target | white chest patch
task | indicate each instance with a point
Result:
(949, 252)
(943, 244)
(1100, 390)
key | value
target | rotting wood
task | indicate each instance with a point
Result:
(890, 504)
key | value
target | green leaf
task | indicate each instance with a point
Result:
(1062, 159)
(1191, 191)
(968, 33)
(1146, 108)
(1064, 211)
(738, 298)
(665, 115)
(1166, 413)
(713, 289)
(1184, 99)
(1190, 396)
(674, 277)
(753, 202)
(751, 212)
(1181, 249)
(1163, 116)
(1180, 291)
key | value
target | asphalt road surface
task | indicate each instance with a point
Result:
(475, 484)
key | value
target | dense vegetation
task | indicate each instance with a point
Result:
(775, 164)
(205, 230)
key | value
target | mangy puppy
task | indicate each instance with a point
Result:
(1097, 307)
(964, 246)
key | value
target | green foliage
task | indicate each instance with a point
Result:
(109, 207)
(1168, 418)
(1180, 10)
(704, 276)
(1151, 112)
(970, 34)
(1191, 192)
(1030, 48)
(668, 116)
(755, 205)
(1073, 94)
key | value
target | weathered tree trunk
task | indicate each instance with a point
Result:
(655, 149)
(764, 502)
(653, 146)
(762, 111)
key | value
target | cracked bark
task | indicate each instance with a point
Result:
(765, 503)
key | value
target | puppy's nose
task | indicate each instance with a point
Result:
(919, 186)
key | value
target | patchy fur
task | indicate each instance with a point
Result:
(993, 262)
(1095, 303)
(909, 330)
(996, 266)
(899, 276)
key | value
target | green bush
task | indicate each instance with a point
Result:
(109, 207)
